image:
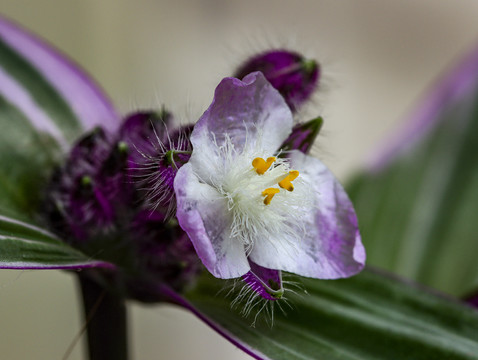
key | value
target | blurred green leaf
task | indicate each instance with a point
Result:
(369, 316)
(418, 210)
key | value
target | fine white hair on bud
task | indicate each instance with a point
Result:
(252, 305)
(156, 168)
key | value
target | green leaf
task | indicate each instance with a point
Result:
(369, 316)
(418, 209)
(23, 246)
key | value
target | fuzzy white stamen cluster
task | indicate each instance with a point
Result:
(241, 185)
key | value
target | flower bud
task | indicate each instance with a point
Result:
(157, 156)
(144, 131)
(303, 135)
(84, 195)
(289, 72)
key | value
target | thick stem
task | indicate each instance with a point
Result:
(105, 319)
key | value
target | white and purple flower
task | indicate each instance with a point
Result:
(246, 206)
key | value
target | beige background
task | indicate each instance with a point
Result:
(377, 56)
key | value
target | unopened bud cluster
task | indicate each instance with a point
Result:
(99, 201)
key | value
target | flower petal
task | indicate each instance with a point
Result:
(250, 112)
(205, 218)
(331, 246)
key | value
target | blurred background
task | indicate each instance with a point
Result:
(377, 57)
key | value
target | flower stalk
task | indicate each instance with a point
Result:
(105, 320)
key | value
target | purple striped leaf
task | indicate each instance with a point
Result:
(53, 93)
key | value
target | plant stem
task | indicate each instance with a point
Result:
(105, 320)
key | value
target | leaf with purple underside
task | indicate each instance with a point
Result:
(24, 246)
(369, 316)
(417, 202)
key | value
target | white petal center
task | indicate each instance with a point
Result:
(262, 209)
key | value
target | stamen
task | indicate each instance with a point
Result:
(286, 183)
(261, 165)
(269, 194)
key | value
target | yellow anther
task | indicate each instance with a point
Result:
(286, 183)
(261, 165)
(269, 194)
